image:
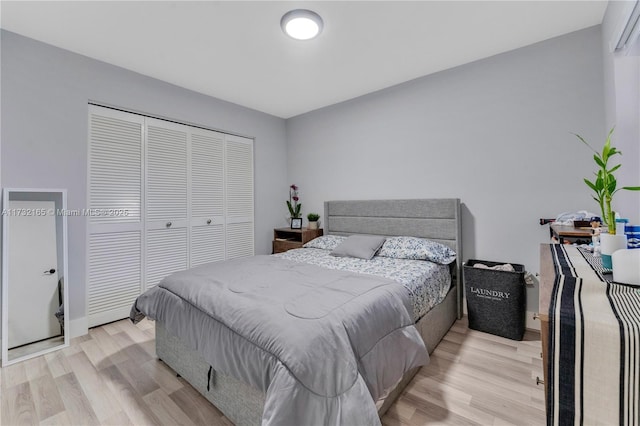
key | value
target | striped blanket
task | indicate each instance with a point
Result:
(594, 345)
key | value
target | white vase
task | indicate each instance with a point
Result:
(608, 245)
(626, 266)
(313, 225)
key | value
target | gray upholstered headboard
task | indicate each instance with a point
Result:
(437, 219)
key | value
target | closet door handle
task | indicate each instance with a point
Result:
(50, 271)
(208, 221)
(168, 224)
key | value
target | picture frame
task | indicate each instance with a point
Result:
(296, 223)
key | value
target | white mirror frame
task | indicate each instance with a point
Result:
(60, 197)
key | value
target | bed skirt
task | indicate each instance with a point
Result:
(243, 404)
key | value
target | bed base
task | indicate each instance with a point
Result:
(243, 404)
(432, 327)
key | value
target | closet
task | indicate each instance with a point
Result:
(162, 197)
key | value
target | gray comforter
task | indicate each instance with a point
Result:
(322, 344)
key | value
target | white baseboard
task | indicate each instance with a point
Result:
(530, 323)
(78, 327)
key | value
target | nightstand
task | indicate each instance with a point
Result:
(286, 238)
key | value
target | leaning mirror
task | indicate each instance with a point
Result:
(34, 273)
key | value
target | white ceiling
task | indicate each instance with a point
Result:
(236, 51)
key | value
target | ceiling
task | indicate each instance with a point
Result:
(236, 51)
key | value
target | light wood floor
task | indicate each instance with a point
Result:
(111, 377)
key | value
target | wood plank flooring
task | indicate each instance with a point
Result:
(112, 377)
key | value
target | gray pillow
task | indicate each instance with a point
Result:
(360, 246)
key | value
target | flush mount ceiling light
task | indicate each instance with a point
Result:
(301, 24)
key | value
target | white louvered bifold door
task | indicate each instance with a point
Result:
(114, 249)
(207, 197)
(162, 197)
(239, 196)
(166, 200)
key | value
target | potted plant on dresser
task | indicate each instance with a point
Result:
(313, 220)
(605, 187)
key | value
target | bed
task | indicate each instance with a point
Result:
(434, 219)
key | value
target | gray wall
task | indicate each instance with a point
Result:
(495, 133)
(622, 106)
(44, 98)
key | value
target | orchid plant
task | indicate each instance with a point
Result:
(605, 184)
(293, 205)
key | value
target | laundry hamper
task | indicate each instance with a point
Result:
(496, 300)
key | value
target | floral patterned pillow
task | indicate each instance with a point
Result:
(325, 242)
(417, 249)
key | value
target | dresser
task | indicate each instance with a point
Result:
(547, 278)
(590, 340)
(570, 232)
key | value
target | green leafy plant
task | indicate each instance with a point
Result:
(292, 203)
(605, 185)
(313, 217)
